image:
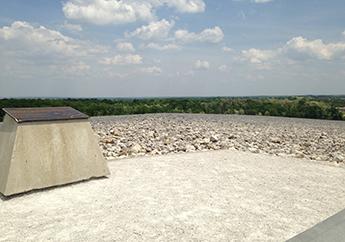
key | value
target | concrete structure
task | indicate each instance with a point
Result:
(332, 229)
(45, 152)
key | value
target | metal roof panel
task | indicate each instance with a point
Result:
(23, 115)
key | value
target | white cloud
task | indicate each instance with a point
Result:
(201, 65)
(41, 40)
(108, 11)
(73, 27)
(123, 60)
(214, 35)
(343, 33)
(227, 49)
(297, 48)
(154, 70)
(223, 68)
(163, 47)
(315, 48)
(186, 6)
(125, 47)
(256, 56)
(126, 11)
(154, 30)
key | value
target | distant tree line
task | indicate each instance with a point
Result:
(300, 107)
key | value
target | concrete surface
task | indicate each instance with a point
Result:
(43, 154)
(7, 138)
(211, 196)
(332, 229)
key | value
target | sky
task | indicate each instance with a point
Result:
(167, 48)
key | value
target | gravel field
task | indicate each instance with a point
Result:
(204, 196)
(155, 134)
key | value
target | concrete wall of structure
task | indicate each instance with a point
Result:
(7, 138)
(48, 154)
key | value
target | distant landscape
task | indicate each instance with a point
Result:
(313, 107)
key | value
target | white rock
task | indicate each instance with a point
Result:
(171, 133)
(214, 138)
(190, 148)
(136, 148)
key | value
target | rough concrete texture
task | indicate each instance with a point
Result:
(209, 196)
(7, 138)
(44, 154)
(332, 229)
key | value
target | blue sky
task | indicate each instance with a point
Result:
(131, 48)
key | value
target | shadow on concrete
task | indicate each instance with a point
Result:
(7, 198)
(332, 229)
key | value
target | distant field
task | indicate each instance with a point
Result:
(314, 107)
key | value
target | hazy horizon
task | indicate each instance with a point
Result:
(173, 97)
(177, 48)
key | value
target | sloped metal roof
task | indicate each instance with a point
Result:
(22, 115)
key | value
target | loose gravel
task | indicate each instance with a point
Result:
(157, 134)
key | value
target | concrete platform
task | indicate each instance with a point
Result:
(332, 229)
(213, 196)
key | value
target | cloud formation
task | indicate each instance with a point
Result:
(125, 47)
(123, 60)
(227, 49)
(41, 40)
(154, 30)
(186, 6)
(154, 70)
(163, 47)
(256, 56)
(103, 12)
(211, 35)
(315, 48)
(201, 65)
(296, 49)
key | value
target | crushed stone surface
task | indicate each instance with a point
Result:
(203, 196)
(155, 134)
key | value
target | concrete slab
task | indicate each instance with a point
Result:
(213, 196)
(332, 229)
(37, 155)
